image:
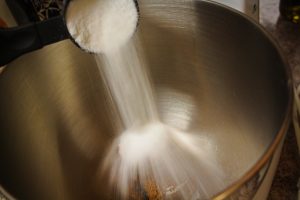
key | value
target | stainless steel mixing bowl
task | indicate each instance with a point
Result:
(215, 73)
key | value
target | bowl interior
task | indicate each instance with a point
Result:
(215, 74)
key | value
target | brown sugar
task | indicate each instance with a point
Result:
(152, 190)
(149, 191)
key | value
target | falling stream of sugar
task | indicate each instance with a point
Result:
(180, 165)
(165, 162)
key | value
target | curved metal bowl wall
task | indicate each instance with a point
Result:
(56, 121)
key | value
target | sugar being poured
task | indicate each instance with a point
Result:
(179, 164)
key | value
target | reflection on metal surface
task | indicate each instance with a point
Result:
(176, 108)
(56, 120)
(249, 189)
(296, 114)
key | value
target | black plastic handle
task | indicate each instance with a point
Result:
(17, 41)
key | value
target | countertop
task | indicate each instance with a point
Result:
(288, 37)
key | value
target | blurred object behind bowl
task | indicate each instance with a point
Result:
(249, 7)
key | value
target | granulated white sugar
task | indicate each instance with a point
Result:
(100, 26)
(180, 165)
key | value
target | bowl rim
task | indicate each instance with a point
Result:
(267, 156)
